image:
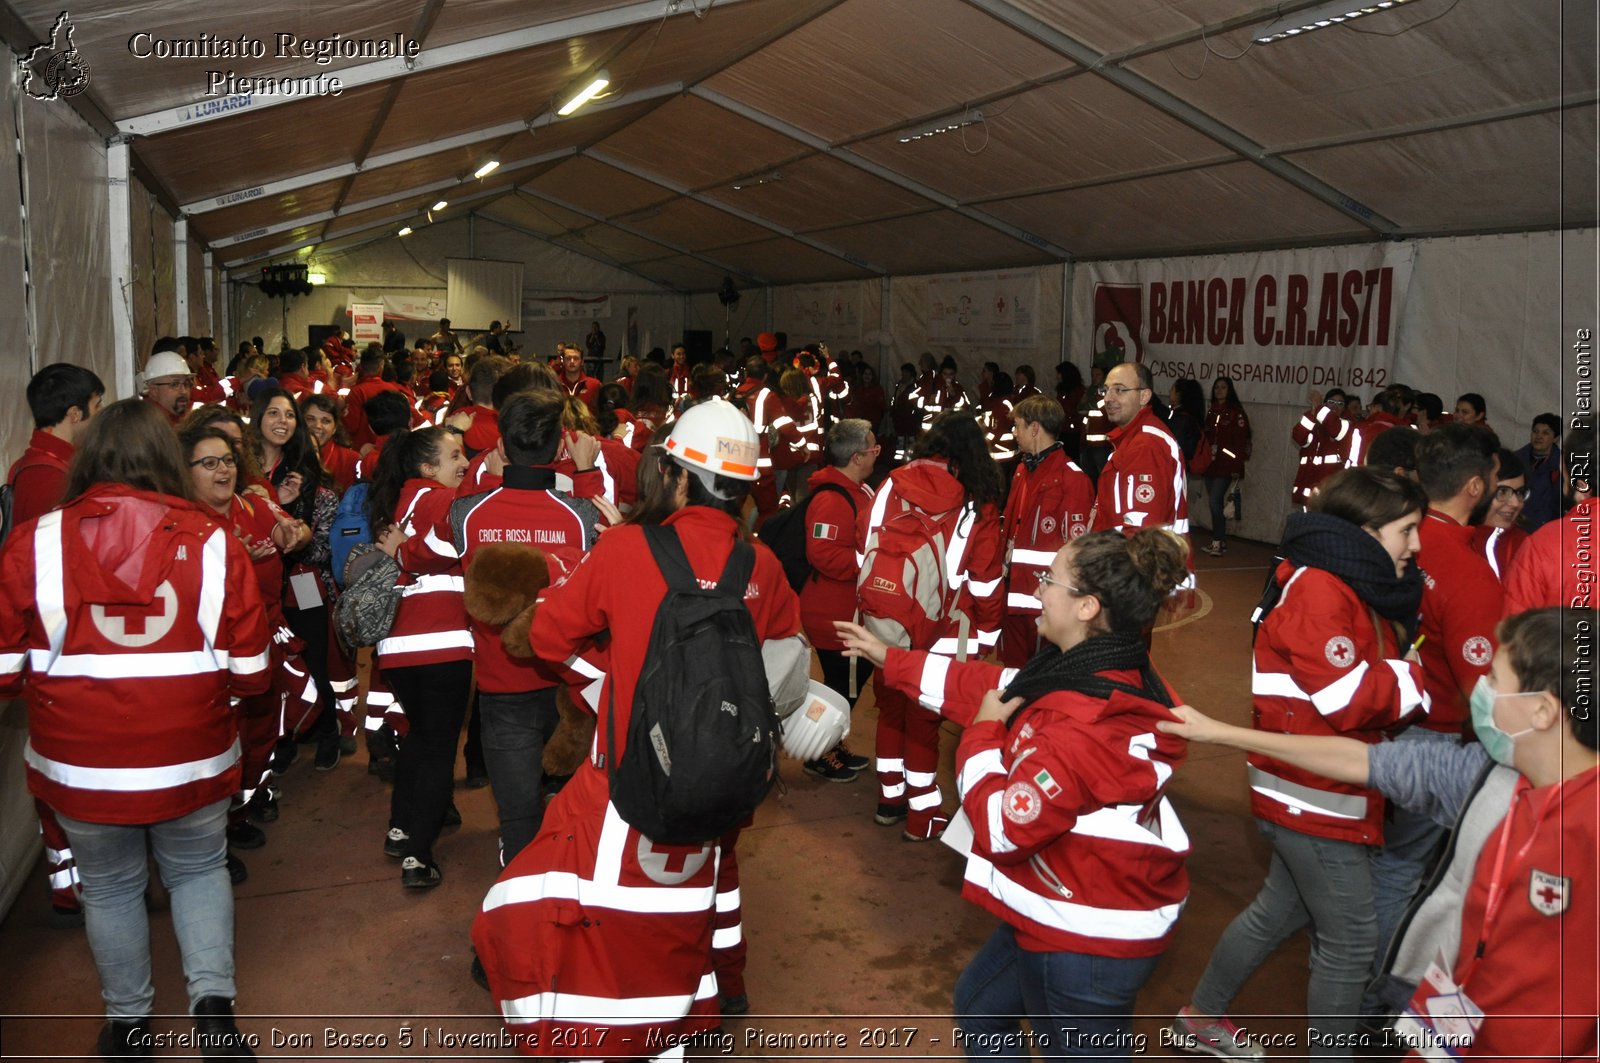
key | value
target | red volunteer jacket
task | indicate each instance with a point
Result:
(1228, 435)
(1461, 603)
(355, 408)
(483, 432)
(976, 553)
(341, 463)
(1321, 437)
(1556, 565)
(1325, 664)
(782, 446)
(430, 625)
(1364, 432)
(586, 388)
(835, 541)
(1499, 547)
(997, 428)
(678, 381)
(1049, 506)
(127, 621)
(1144, 484)
(1536, 980)
(525, 508)
(299, 384)
(597, 942)
(39, 477)
(1074, 842)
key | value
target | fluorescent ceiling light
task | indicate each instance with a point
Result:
(443, 203)
(942, 125)
(316, 278)
(1322, 17)
(486, 169)
(584, 93)
(405, 230)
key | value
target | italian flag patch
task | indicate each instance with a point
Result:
(824, 531)
(1047, 783)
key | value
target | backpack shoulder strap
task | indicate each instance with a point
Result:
(849, 496)
(737, 572)
(667, 550)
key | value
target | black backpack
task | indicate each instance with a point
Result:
(701, 748)
(787, 531)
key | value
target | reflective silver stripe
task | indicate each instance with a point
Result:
(1119, 924)
(1306, 798)
(935, 671)
(978, 767)
(1022, 556)
(213, 584)
(1337, 694)
(607, 1011)
(983, 590)
(439, 640)
(435, 583)
(131, 780)
(1023, 601)
(1411, 695)
(50, 588)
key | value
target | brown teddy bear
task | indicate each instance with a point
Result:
(502, 590)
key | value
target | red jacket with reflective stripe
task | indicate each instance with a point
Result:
(1556, 565)
(127, 621)
(1143, 484)
(1325, 664)
(1074, 843)
(430, 626)
(1228, 434)
(1461, 604)
(835, 540)
(1048, 507)
(1322, 437)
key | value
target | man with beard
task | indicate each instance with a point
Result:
(168, 381)
(1462, 601)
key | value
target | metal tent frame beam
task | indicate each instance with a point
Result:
(1007, 12)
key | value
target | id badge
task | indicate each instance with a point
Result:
(1441, 1021)
(307, 590)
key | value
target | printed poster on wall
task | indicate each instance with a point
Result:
(830, 313)
(366, 323)
(1280, 323)
(558, 307)
(981, 310)
(402, 307)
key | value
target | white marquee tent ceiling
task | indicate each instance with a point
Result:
(1111, 128)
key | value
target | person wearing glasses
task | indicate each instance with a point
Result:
(1063, 776)
(1501, 534)
(1144, 484)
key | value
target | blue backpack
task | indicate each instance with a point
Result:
(350, 528)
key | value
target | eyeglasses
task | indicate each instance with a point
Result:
(1118, 390)
(1506, 494)
(1047, 580)
(212, 462)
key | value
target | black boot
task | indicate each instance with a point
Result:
(124, 1039)
(216, 1033)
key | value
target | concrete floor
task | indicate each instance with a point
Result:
(854, 935)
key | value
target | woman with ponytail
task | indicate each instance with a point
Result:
(427, 656)
(1334, 655)
(1062, 776)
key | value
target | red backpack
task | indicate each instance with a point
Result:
(904, 592)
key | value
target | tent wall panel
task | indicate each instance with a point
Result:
(199, 323)
(71, 257)
(748, 317)
(908, 327)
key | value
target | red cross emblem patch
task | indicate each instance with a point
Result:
(1340, 651)
(1144, 494)
(1478, 651)
(1022, 803)
(1549, 894)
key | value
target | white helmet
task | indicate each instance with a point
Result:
(818, 726)
(164, 365)
(717, 438)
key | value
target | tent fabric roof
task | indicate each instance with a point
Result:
(1109, 128)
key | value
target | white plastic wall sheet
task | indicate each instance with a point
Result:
(911, 325)
(747, 317)
(71, 255)
(1496, 315)
(19, 834)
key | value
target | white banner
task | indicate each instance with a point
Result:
(555, 307)
(403, 306)
(366, 323)
(830, 313)
(996, 309)
(1280, 323)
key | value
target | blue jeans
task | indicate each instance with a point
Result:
(1217, 488)
(1313, 881)
(515, 730)
(191, 852)
(1077, 1005)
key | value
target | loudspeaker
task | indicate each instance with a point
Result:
(697, 344)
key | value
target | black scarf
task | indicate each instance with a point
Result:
(1350, 552)
(1032, 460)
(1078, 669)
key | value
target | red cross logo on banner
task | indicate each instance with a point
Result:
(135, 625)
